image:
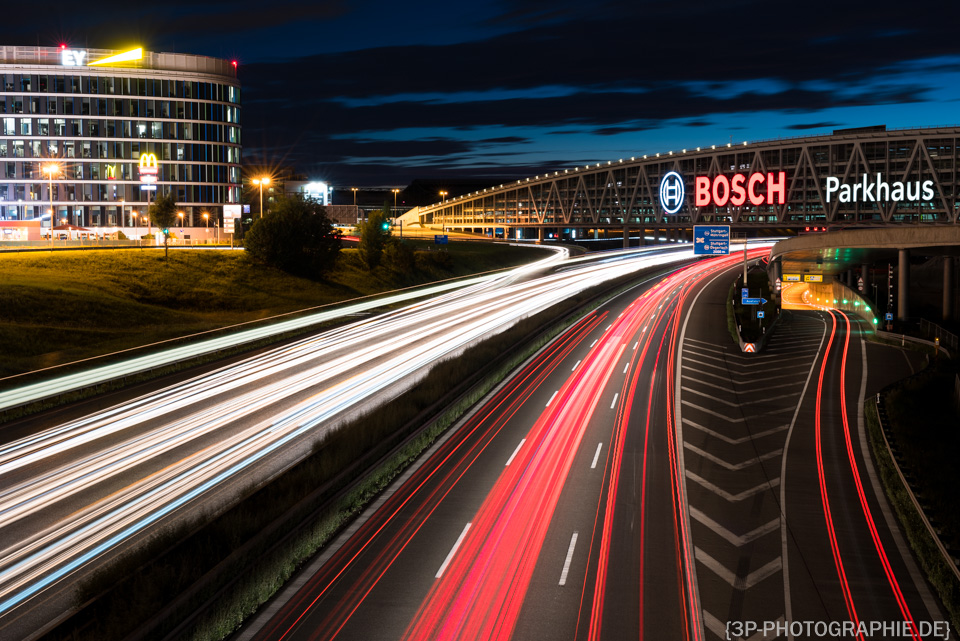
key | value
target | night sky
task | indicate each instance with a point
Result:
(364, 93)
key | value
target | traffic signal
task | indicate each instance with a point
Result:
(385, 225)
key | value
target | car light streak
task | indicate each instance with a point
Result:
(831, 531)
(336, 371)
(489, 419)
(482, 591)
(877, 543)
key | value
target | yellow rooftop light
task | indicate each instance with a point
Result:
(126, 56)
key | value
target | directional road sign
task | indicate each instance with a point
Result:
(440, 239)
(711, 240)
(753, 301)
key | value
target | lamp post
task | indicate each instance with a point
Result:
(443, 196)
(354, 190)
(50, 169)
(206, 218)
(123, 212)
(260, 182)
(395, 192)
(133, 221)
(180, 214)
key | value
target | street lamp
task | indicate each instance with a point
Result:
(443, 195)
(50, 169)
(133, 221)
(395, 192)
(260, 182)
(354, 190)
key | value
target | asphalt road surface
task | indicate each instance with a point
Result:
(639, 478)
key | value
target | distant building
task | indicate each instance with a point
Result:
(104, 128)
(318, 190)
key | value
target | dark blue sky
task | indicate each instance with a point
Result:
(379, 93)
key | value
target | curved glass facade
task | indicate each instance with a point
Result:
(95, 123)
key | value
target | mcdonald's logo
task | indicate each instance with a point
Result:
(148, 161)
(111, 172)
(148, 168)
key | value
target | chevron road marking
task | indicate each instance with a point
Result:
(742, 403)
(733, 498)
(735, 441)
(736, 581)
(751, 360)
(732, 391)
(738, 541)
(736, 420)
(733, 467)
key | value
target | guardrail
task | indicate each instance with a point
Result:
(947, 339)
(947, 556)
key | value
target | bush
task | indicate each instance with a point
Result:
(399, 257)
(373, 238)
(296, 237)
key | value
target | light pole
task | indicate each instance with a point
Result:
(180, 214)
(206, 218)
(133, 220)
(260, 182)
(123, 212)
(354, 190)
(395, 192)
(50, 169)
(443, 196)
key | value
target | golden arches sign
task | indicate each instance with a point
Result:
(148, 168)
(148, 161)
(111, 172)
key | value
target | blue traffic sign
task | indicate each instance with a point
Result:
(711, 240)
(439, 239)
(889, 316)
(753, 301)
(759, 313)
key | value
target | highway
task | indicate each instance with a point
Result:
(81, 484)
(554, 511)
(639, 478)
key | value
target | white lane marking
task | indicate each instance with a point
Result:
(566, 563)
(635, 345)
(552, 397)
(596, 457)
(575, 366)
(609, 326)
(512, 456)
(594, 342)
(453, 551)
(615, 396)
(626, 367)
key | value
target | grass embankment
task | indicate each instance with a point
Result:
(926, 451)
(64, 306)
(232, 564)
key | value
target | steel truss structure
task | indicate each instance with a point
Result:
(625, 193)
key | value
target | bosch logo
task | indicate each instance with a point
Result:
(671, 192)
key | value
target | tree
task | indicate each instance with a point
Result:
(296, 236)
(373, 237)
(163, 214)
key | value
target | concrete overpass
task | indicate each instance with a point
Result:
(849, 254)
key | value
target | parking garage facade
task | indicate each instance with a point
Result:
(855, 178)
